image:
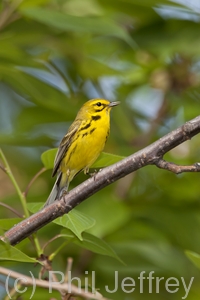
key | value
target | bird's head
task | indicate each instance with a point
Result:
(97, 106)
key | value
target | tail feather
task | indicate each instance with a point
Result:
(56, 191)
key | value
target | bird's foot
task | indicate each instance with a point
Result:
(63, 193)
(93, 174)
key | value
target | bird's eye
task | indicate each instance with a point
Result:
(98, 104)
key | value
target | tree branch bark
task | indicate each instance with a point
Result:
(151, 155)
(53, 285)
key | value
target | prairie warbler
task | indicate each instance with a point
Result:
(82, 144)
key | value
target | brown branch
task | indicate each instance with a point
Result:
(65, 287)
(177, 169)
(151, 155)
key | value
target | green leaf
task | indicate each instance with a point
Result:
(95, 25)
(193, 257)
(48, 157)
(6, 224)
(92, 243)
(76, 221)
(104, 159)
(101, 210)
(34, 207)
(7, 252)
(35, 88)
(31, 3)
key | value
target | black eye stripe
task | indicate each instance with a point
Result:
(98, 110)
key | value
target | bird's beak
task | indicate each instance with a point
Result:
(114, 103)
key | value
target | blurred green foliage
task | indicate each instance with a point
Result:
(54, 56)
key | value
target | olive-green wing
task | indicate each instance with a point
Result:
(65, 144)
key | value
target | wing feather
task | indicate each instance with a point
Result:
(65, 144)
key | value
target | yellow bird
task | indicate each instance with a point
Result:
(82, 144)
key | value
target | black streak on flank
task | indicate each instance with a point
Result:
(72, 152)
(92, 130)
(85, 127)
(107, 135)
(95, 118)
(85, 134)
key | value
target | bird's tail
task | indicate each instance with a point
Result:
(56, 191)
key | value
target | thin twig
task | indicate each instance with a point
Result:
(13, 291)
(3, 168)
(33, 180)
(65, 287)
(51, 240)
(11, 209)
(52, 255)
(177, 169)
(12, 178)
(21, 197)
(8, 14)
(68, 268)
(31, 237)
(47, 266)
(68, 297)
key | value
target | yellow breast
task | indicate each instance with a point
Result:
(90, 141)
